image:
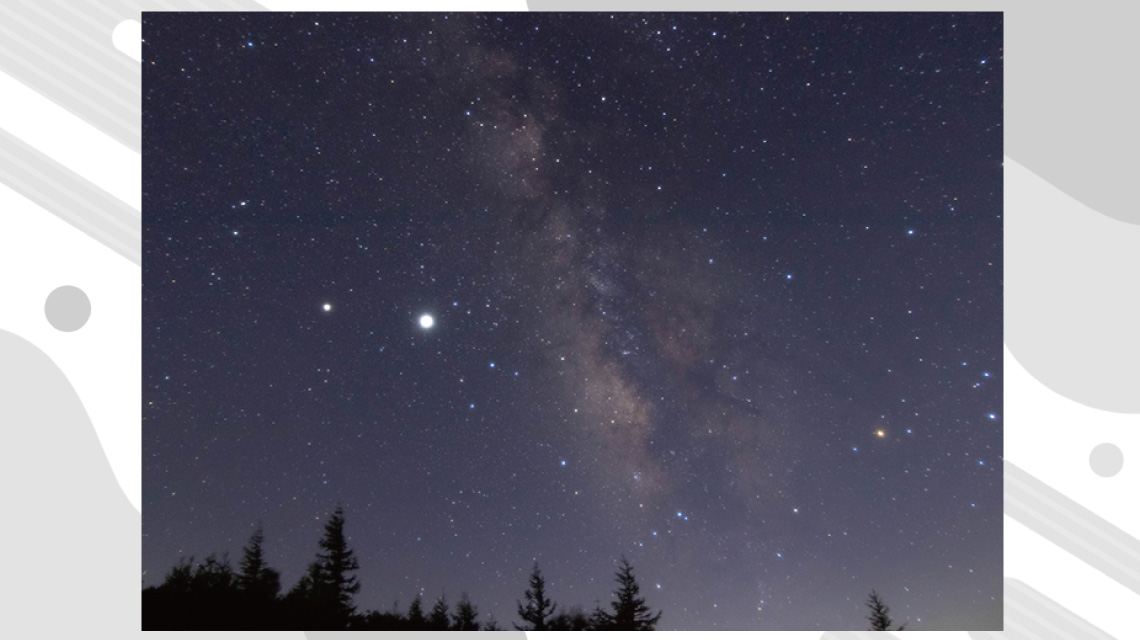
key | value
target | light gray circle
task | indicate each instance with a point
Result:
(67, 308)
(1106, 460)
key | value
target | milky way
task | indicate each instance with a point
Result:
(720, 293)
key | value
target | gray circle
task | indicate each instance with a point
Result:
(67, 308)
(1106, 460)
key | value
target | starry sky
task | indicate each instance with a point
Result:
(717, 292)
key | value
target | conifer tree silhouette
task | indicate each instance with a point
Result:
(465, 615)
(257, 580)
(416, 619)
(337, 583)
(538, 608)
(880, 617)
(630, 613)
(439, 620)
(259, 585)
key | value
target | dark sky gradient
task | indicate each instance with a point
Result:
(683, 267)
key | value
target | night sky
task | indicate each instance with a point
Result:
(721, 293)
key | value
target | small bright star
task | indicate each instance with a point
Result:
(910, 232)
(327, 307)
(789, 276)
(563, 462)
(993, 416)
(426, 321)
(881, 433)
(856, 449)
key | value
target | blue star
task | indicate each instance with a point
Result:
(492, 365)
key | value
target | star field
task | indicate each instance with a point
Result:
(718, 292)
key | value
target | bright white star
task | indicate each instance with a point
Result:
(426, 321)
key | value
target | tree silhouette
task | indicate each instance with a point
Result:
(599, 619)
(202, 597)
(257, 579)
(572, 620)
(880, 617)
(259, 585)
(180, 575)
(439, 620)
(210, 595)
(336, 563)
(465, 614)
(213, 575)
(630, 612)
(539, 608)
(416, 619)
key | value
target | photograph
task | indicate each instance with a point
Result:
(572, 321)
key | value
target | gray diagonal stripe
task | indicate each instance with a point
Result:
(75, 200)
(63, 50)
(1065, 523)
(1029, 615)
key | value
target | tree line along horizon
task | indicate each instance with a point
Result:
(211, 596)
